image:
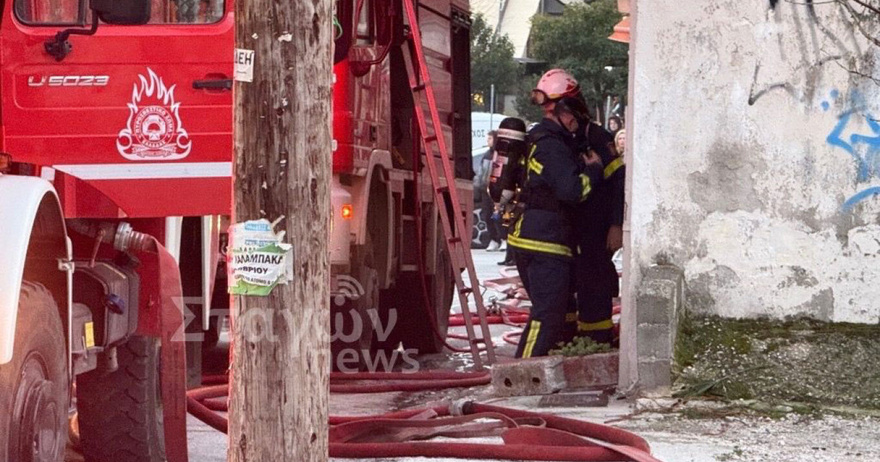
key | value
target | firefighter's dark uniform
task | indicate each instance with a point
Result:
(597, 281)
(542, 236)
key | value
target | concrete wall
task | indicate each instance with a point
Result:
(754, 159)
(750, 145)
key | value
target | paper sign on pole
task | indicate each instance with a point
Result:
(244, 65)
(258, 259)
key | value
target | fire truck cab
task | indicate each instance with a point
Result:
(115, 165)
(116, 136)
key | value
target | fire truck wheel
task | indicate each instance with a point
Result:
(351, 325)
(120, 412)
(33, 404)
(419, 331)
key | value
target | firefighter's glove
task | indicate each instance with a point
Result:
(591, 158)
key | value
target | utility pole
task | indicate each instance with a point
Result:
(279, 389)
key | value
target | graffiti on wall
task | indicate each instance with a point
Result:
(795, 64)
(857, 132)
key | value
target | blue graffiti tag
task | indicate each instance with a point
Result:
(864, 148)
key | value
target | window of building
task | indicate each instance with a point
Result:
(77, 13)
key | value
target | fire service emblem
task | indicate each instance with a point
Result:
(154, 130)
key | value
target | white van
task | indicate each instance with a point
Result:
(481, 124)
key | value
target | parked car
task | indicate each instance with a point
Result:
(479, 230)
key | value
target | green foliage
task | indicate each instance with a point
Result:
(577, 41)
(491, 63)
(524, 107)
(581, 346)
(778, 361)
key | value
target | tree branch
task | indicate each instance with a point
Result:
(856, 17)
(868, 6)
(860, 74)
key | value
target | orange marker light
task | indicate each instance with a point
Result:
(347, 212)
(5, 162)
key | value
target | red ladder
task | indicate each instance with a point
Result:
(444, 190)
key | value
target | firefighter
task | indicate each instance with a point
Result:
(599, 222)
(507, 177)
(542, 237)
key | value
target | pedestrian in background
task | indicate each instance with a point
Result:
(620, 142)
(614, 125)
(487, 206)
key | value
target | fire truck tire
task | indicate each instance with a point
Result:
(33, 404)
(418, 330)
(120, 412)
(351, 326)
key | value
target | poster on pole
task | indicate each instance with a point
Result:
(258, 258)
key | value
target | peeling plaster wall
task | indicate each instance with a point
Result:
(754, 157)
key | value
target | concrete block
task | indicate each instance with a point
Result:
(660, 302)
(599, 370)
(655, 373)
(655, 341)
(579, 399)
(657, 301)
(533, 376)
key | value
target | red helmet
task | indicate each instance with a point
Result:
(555, 84)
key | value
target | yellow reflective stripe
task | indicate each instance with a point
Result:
(535, 166)
(591, 326)
(613, 166)
(517, 226)
(585, 186)
(525, 160)
(534, 327)
(538, 246)
(571, 317)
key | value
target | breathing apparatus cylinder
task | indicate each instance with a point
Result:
(510, 147)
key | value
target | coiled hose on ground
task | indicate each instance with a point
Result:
(526, 435)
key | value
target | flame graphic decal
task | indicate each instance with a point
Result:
(154, 130)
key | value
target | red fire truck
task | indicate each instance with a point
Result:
(116, 136)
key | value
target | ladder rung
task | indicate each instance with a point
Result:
(437, 156)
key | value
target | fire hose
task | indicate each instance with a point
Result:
(526, 435)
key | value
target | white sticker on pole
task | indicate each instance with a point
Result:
(258, 258)
(244, 65)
